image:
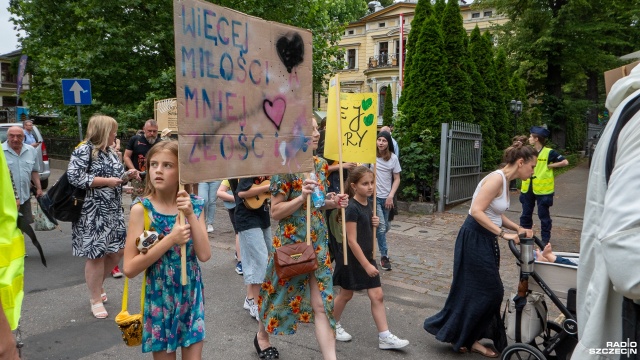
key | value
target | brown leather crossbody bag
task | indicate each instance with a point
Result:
(299, 258)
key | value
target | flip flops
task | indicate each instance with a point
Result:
(95, 310)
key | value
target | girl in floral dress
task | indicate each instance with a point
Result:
(309, 297)
(173, 313)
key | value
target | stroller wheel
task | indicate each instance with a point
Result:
(520, 351)
(563, 349)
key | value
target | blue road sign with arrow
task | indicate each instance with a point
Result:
(76, 91)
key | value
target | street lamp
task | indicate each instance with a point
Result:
(516, 109)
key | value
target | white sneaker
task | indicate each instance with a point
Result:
(247, 304)
(209, 228)
(341, 334)
(254, 312)
(392, 342)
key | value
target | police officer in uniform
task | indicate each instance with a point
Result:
(540, 188)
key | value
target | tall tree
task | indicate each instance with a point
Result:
(424, 109)
(483, 107)
(387, 113)
(457, 55)
(504, 94)
(422, 11)
(438, 9)
(559, 42)
(126, 47)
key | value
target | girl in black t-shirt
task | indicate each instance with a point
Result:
(361, 272)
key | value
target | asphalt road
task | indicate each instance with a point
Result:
(57, 322)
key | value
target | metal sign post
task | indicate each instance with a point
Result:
(79, 122)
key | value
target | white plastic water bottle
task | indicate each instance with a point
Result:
(317, 196)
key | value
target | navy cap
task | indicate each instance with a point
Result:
(540, 131)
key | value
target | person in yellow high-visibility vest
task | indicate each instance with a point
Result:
(540, 188)
(11, 264)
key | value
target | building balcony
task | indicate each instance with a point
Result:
(382, 62)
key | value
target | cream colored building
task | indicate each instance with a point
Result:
(372, 49)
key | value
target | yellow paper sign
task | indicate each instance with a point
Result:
(244, 90)
(359, 126)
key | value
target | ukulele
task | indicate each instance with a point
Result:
(256, 202)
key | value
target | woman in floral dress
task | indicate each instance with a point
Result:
(309, 297)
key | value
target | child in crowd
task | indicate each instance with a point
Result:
(173, 313)
(547, 255)
(225, 193)
(253, 222)
(361, 272)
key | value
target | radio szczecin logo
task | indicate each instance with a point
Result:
(627, 348)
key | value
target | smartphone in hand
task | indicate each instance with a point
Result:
(128, 175)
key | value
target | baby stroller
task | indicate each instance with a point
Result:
(555, 341)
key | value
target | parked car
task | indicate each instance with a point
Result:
(45, 172)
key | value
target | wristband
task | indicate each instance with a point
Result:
(501, 234)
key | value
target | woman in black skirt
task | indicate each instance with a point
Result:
(472, 309)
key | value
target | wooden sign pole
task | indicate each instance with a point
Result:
(183, 247)
(342, 214)
(375, 238)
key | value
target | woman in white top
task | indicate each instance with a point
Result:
(472, 309)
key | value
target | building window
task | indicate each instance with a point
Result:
(383, 93)
(381, 24)
(488, 13)
(351, 32)
(351, 59)
(383, 53)
(404, 49)
(475, 15)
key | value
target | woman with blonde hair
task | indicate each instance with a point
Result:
(99, 234)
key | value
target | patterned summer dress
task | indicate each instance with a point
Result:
(284, 303)
(173, 314)
(100, 229)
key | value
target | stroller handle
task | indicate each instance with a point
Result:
(516, 252)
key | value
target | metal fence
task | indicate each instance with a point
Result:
(61, 147)
(460, 162)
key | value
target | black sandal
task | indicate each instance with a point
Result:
(269, 353)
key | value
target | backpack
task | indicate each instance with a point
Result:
(64, 201)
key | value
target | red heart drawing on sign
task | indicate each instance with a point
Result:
(275, 110)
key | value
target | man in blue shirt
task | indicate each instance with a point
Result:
(21, 159)
(29, 136)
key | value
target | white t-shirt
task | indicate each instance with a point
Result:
(384, 175)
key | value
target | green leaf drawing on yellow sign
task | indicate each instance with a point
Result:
(368, 120)
(366, 104)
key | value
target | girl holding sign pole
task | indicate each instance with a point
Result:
(362, 272)
(173, 313)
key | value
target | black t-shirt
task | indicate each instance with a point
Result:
(139, 147)
(361, 215)
(247, 218)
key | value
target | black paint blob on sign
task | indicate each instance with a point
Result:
(290, 49)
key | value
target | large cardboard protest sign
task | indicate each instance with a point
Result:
(244, 92)
(358, 126)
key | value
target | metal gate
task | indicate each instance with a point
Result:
(460, 162)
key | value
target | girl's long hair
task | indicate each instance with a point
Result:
(98, 131)
(355, 175)
(168, 145)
